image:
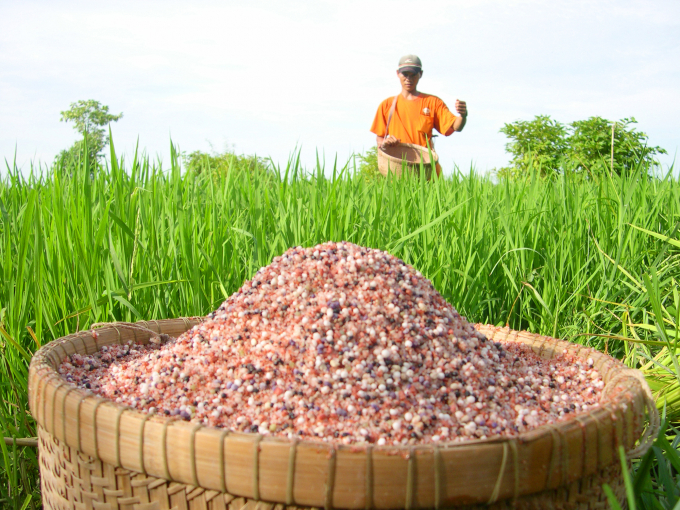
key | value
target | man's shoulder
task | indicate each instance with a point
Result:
(387, 101)
(431, 98)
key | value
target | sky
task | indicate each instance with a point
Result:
(270, 78)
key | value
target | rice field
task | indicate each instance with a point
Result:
(594, 261)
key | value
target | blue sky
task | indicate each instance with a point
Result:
(266, 77)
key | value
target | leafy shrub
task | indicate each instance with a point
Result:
(220, 164)
(368, 163)
(584, 147)
(541, 142)
(590, 146)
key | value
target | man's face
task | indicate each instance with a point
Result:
(409, 79)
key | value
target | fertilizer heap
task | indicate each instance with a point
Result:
(347, 344)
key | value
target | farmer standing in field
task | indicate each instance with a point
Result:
(415, 113)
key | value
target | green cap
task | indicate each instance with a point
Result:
(411, 63)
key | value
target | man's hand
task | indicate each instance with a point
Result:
(461, 108)
(459, 122)
(389, 141)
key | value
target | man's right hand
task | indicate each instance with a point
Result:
(389, 141)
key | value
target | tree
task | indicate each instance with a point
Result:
(89, 118)
(540, 142)
(590, 146)
(584, 146)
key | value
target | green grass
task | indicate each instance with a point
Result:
(566, 258)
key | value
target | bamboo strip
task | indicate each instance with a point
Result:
(21, 441)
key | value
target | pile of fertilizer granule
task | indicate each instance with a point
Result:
(346, 344)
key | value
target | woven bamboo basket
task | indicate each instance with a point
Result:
(95, 454)
(405, 156)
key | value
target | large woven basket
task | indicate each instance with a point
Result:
(405, 156)
(95, 454)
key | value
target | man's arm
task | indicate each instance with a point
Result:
(459, 123)
(380, 126)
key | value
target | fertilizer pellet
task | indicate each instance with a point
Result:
(346, 344)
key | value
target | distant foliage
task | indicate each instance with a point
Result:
(591, 146)
(541, 142)
(583, 147)
(368, 163)
(89, 118)
(220, 164)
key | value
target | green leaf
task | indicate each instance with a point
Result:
(613, 503)
(630, 494)
(431, 224)
(14, 344)
(669, 240)
(27, 500)
(129, 306)
(116, 264)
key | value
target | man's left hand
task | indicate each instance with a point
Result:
(461, 108)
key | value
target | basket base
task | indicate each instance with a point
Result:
(71, 480)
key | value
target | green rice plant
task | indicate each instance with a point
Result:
(84, 242)
(630, 493)
(663, 368)
(652, 482)
(649, 330)
(649, 315)
(18, 465)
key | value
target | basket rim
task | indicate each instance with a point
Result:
(42, 353)
(420, 148)
(44, 380)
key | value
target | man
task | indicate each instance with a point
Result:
(415, 113)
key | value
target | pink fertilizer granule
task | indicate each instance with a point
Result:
(347, 344)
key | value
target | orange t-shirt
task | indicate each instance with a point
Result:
(413, 120)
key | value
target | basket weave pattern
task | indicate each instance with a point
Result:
(71, 480)
(405, 156)
(96, 455)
